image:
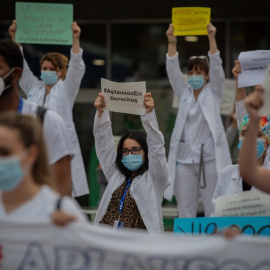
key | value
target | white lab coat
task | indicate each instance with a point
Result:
(62, 98)
(210, 102)
(146, 189)
(230, 182)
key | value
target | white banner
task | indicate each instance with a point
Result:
(253, 65)
(126, 97)
(41, 246)
(266, 85)
(244, 204)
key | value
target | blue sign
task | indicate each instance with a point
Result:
(211, 226)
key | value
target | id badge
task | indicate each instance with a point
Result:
(118, 225)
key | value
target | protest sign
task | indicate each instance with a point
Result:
(253, 65)
(126, 97)
(42, 246)
(42, 23)
(243, 204)
(189, 21)
(212, 226)
(266, 95)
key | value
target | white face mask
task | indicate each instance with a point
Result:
(3, 86)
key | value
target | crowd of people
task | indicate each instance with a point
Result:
(41, 166)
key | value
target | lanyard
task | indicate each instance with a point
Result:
(123, 197)
(20, 106)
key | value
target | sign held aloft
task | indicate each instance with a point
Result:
(126, 97)
(253, 65)
(190, 21)
(40, 23)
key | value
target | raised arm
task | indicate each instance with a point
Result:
(253, 173)
(172, 41)
(240, 92)
(211, 31)
(28, 80)
(240, 107)
(158, 166)
(76, 67)
(216, 72)
(172, 64)
(104, 138)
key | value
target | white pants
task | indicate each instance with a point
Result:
(187, 188)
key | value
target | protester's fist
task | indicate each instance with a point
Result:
(100, 103)
(170, 33)
(236, 69)
(254, 102)
(12, 30)
(211, 30)
(148, 102)
(76, 30)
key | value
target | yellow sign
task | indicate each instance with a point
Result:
(190, 21)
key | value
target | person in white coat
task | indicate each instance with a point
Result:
(27, 191)
(230, 181)
(57, 91)
(198, 147)
(137, 173)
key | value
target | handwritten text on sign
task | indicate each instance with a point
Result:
(253, 65)
(44, 23)
(211, 226)
(190, 20)
(124, 97)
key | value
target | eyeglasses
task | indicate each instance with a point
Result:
(133, 150)
(204, 57)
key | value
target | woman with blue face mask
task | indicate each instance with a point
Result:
(27, 191)
(230, 181)
(198, 147)
(56, 90)
(137, 173)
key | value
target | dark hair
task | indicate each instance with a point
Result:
(10, 51)
(199, 63)
(140, 137)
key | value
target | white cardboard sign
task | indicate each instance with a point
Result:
(253, 65)
(244, 204)
(126, 97)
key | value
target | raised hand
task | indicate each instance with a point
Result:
(148, 102)
(12, 30)
(236, 69)
(100, 104)
(170, 34)
(211, 30)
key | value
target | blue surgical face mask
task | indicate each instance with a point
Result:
(49, 77)
(260, 149)
(196, 81)
(11, 173)
(132, 162)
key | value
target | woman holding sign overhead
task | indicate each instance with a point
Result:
(57, 91)
(198, 148)
(137, 173)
